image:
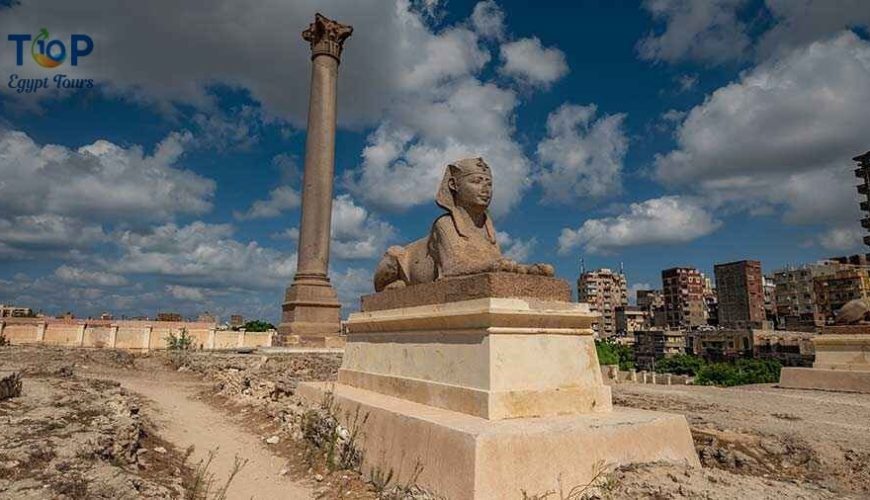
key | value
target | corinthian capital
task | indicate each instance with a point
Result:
(326, 36)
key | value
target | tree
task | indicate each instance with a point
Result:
(681, 364)
(181, 342)
(612, 353)
(258, 326)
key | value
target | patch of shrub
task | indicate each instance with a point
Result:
(181, 342)
(741, 372)
(612, 353)
(257, 326)
(681, 364)
(3, 341)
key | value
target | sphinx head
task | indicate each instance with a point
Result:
(470, 183)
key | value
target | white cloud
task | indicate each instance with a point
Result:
(251, 46)
(446, 110)
(357, 234)
(79, 276)
(657, 221)
(240, 128)
(99, 181)
(186, 292)
(687, 82)
(21, 235)
(453, 53)
(711, 31)
(582, 157)
(673, 115)
(291, 233)
(785, 128)
(204, 255)
(531, 63)
(798, 23)
(707, 31)
(398, 73)
(350, 285)
(280, 199)
(403, 164)
(488, 20)
(843, 238)
(517, 249)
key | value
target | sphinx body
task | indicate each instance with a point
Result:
(460, 242)
(853, 312)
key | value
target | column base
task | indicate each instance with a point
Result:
(311, 314)
(464, 457)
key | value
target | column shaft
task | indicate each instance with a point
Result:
(314, 233)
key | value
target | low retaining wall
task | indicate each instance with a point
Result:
(612, 375)
(132, 335)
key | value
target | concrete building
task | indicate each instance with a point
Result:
(653, 345)
(650, 300)
(788, 347)
(236, 320)
(769, 287)
(207, 317)
(863, 173)
(683, 289)
(740, 290)
(795, 294)
(630, 319)
(9, 311)
(833, 291)
(717, 345)
(861, 259)
(604, 290)
(169, 316)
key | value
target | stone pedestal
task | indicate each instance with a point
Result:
(842, 362)
(311, 314)
(492, 395)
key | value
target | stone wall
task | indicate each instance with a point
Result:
(132, 335)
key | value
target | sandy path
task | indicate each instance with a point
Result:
(185, 421)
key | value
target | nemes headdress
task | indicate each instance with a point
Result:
(444, 197)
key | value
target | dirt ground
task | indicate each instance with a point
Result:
(105, 424)
(783, 443)
(72, 437)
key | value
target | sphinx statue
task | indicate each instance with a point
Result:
(462, 241)
(853, 312)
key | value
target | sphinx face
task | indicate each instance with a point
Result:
(473, 190)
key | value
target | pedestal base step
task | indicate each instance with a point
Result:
(825, 379)
(469, 458)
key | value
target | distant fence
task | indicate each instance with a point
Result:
(134, 335)
(613, 375)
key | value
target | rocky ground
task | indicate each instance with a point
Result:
(754, 441)
(68, 436)
(816, 440)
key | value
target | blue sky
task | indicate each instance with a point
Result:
(655, 133)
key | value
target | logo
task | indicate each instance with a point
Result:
(52, 53)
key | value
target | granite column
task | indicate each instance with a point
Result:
(311, 310)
